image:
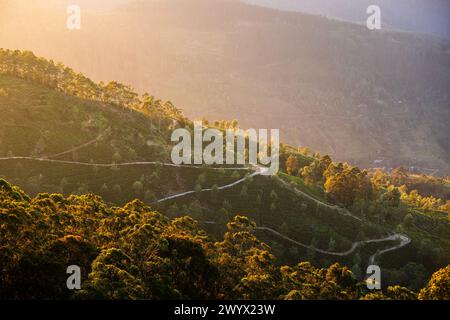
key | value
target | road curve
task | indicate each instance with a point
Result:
(341, 211)
(123, 164)
(404, 240)
(258, 171)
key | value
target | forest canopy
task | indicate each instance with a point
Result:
(134, 252)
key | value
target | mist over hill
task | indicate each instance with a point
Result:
(336, 87)
(420, 16)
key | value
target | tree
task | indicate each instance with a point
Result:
(399, 176)
(133, 252)
(346, 185)
(344, 279)
(304, 151)
(311, 173)
(400, 293)
(248, 260)
(198, 188)
(292, 165)
(315, 172)
(138, 187)
(113, 276)
(186, 268)
(379, 179)
(438, 288)
(377, 295)
(391, 197)
(408, 220)
(116, 157)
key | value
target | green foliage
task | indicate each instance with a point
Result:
(315, 171)
(133, 252)
(292, 165)
(439, 286)
(25, 65)
(344, 184)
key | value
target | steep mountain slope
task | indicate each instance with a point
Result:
(65, 132)
(55, 142)
(336, 87)
(40, 122)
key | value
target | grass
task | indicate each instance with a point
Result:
(37, 121)
(161, 181)
(300, 184)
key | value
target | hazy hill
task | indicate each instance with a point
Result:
(419, 16)
(336, 87)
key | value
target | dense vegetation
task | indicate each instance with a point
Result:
(387, 199)
(25, 65)
(74, 137)
(349, 186)
(134, 252)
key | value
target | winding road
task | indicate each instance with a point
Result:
(123, 164)
(341, 211)
(258, 170)
(77, 148)
(404, 241)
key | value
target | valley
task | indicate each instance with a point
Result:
(93, 161)
(386, 93)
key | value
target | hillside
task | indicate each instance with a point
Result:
(56, 142)
(415, 16)
(336, 87)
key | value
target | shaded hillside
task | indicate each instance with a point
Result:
(336, 87)
(55, 141)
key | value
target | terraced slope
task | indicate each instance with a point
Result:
(57, 143)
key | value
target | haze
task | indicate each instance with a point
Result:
(335, 87)
(421, 16)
